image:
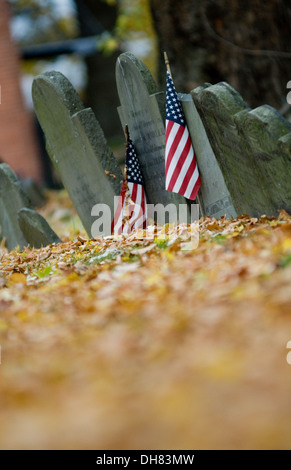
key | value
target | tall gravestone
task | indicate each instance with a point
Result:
(12, 199)
(251, 147)
(76, 145)
(214, 195)
(143, 110)
(263, 128)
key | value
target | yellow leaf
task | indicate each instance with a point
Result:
(153, 279)
(168, 255)
(23, 315)
(286, 245)
(3, 325)
(17, 278)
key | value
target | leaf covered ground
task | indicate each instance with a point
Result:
(147, 344)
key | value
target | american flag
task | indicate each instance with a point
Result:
(182, 175)
(131, 211)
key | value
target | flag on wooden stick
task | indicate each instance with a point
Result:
(131, 212)
(181, 173)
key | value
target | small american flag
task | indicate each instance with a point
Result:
(182, 175)
(131, 211)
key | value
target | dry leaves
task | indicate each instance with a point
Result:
(148, 344)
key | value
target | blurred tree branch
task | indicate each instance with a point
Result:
(246, 43)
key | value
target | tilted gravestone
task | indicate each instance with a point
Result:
(252, 149)
(12, 199)
(263, 127)
(143, 110)
(20, 224)
(214, 195)
(76, 145)
(35, 229)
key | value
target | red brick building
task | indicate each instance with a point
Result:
(18, 142)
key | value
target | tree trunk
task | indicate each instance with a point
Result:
(96, 16)
(238, 41)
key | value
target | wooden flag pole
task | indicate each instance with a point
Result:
(169, 70)
(167, 64)
(126, 132)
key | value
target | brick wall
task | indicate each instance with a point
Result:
(18, 142)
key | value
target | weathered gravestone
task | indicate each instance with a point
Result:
(143, 110)
(20, 225)
(77, 146)
(35, 229)
(252, 148)
(12, 199)
(214, 195)
(263, 128)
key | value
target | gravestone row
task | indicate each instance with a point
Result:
(252, 148)
(243, 155)
(20, 224)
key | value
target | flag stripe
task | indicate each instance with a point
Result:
(182, 164)
(190, 181)
(131, 208)
(195, 189)
(138, 214)
(184, 179)
(174, 135)
(135, 196)
(116, 226)
(175, 157)
(181, 171)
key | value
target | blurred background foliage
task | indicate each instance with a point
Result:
(41, 21)
(112, 26)
(246, 43)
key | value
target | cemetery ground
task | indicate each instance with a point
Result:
(145, 344)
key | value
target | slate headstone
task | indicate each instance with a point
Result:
(217, 106)
(76, 145)
(214, 195)
(36, 230)
(249, 147)
(143, 110)
(263, 127)
(12, 199)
